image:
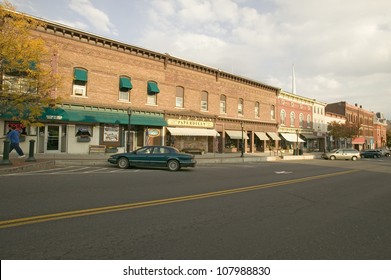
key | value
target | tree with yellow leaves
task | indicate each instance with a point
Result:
(26, 78)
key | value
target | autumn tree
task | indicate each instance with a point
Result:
(342, 131)
(26, 77)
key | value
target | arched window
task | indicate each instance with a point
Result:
(179, 98)
(256, 110)
(80, 78)
(283, 117)
(204, 101)
(223, 104)
(308, 121)
(152, 91)
(301, 120)
(292, 119)
(273, 112)
(240, 106)
(125, 85)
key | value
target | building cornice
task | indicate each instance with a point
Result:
(166, 59)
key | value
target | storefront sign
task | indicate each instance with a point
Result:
(192, 123)
(111, 133)
(52, 117)
(152, 132)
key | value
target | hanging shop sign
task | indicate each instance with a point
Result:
(152, 132)
(190, 123)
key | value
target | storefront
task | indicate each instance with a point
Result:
(74, 129)
(192, 133)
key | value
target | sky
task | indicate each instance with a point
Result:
(341, 50)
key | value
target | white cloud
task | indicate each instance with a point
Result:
(99, 19)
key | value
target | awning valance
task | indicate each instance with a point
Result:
(358, 140)
(309, 136)
(96, 116)
(236, 134)
(290, 137)
(262, 136)
(182, 131)
(273, 135)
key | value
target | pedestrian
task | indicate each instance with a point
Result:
(13, 137)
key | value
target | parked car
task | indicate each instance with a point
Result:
(154, 156)
(347, 154)
(384, 152)
(370, 154)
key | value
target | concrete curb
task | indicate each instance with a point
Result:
(32, 166)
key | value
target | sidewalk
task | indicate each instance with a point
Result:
(44, 161)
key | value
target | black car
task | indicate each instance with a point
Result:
(154, 156)
(370, 154)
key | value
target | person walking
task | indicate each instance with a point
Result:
(13, 137)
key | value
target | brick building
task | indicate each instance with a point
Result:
(121, 96)
(357, 117)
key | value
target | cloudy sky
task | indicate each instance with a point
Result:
(341, 50)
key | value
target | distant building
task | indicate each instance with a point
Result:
(358, 117)
(380, 130)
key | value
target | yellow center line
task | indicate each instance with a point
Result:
(122, 207)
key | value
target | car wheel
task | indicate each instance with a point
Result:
(173, 165)
(332, 157)
(375, 156)
(123, 163)
(354, 158)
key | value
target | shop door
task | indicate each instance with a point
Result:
(53, 138)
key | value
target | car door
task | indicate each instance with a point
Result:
(141, 157)
(159, 157)
(345, 154)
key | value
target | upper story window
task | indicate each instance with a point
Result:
(179, 97)
(292, 119)
(256, 110)
(301, 120)
(283, 117)
(240, 106)
(80, 78)
(152, 91)
(18, 80)
(204, 101)
(223, 104)
(125, 85)
(273, 112)
(308, 121)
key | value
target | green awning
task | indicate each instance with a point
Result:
(94, 116)
(80, 75)
(153, 88)
(124, 83)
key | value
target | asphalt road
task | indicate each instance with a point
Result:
(313, 209)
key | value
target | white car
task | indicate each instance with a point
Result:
(348, 154)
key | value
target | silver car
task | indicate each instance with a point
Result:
(347, 154)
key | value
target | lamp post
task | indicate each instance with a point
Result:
(297, 142)
(128, 138)
(242, 150)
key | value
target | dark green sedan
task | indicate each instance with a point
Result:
(154, 156)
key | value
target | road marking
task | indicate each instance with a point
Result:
(136, 205)
(283, 172)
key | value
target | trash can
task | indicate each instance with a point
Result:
(301, 152)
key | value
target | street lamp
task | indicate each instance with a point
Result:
(128, 138)
(297, 142)
(242, 150)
